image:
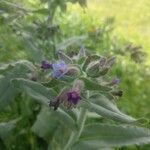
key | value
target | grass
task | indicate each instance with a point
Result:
(132, 18)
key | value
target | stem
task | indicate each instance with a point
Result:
(76, 134)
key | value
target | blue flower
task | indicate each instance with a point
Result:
(59, 69)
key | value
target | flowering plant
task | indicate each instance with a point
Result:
(64, 103)
(73, 91)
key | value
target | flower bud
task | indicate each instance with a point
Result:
(103, 71)
(73, 71)
(64, 57)
(97, 68)
(110, 62)
(82, 52)
(93, 69)
(102, 61)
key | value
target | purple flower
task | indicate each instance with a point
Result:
(59, 69)
(69, 98)
(46, 65)
(73, 97)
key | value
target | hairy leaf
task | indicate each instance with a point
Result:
(98, 135)
(36, 90)
(90, 85)
(106, 113)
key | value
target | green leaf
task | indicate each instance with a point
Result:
(9, 71)
(98, 135)
(36, 54)
(53, 82)
(17, 69)
(64, 57)
(50, 120)
(7, 92)
(90, 85)
(6, 129)
(103, 101)
(70, 41)
(36, 90)
(65, 119)
(46, 123)
(106, 113)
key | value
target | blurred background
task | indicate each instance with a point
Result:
(32, 29)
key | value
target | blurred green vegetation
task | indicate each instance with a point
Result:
(123, 27)
(120, 28)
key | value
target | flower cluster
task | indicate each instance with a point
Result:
(91, 67)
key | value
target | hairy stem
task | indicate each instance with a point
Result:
(76, 134)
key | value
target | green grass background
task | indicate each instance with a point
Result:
(132, 18)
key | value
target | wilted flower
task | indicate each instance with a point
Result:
(46, 65)
(59, 69)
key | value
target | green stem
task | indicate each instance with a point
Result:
(76, 134)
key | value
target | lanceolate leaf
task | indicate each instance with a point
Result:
(36, 90)
(103, 101)
(106, 113)
(98, 135)
(46, 123)
(90, 85)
